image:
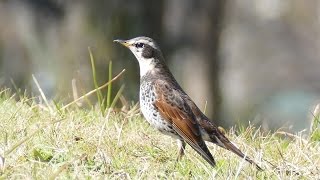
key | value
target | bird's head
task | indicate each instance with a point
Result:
(145, 50)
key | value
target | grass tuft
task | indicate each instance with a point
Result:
(104, 101)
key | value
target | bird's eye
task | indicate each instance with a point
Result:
(139, 45)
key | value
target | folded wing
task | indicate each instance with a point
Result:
(175, 111)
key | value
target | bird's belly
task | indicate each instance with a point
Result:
(152, 115)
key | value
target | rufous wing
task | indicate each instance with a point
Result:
(173, 109)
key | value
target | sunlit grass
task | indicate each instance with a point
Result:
(52, 140)
(82, 143)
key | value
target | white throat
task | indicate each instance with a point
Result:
(145, 66)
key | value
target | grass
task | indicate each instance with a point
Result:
(54, 141)
(75, 143)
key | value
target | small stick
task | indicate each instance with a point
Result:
(93, 91)
(42, 93)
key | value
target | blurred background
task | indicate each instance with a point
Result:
(245, 61)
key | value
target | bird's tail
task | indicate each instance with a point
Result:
(224, 142)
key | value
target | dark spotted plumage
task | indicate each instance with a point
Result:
(168, 108)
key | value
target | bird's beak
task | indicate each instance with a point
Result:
(123, 42)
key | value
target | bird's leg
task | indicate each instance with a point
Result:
(181, 147)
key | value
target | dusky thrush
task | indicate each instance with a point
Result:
(169, 109)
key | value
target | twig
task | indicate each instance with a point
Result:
(293, 136)
(93, 91)
(41, 93)
(75, 91)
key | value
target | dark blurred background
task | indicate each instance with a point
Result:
(249, 61)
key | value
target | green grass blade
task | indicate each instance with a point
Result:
(94, 75)
(110, 85)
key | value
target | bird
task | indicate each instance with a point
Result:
(167, 107)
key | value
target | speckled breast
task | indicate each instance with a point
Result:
(149, 111)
